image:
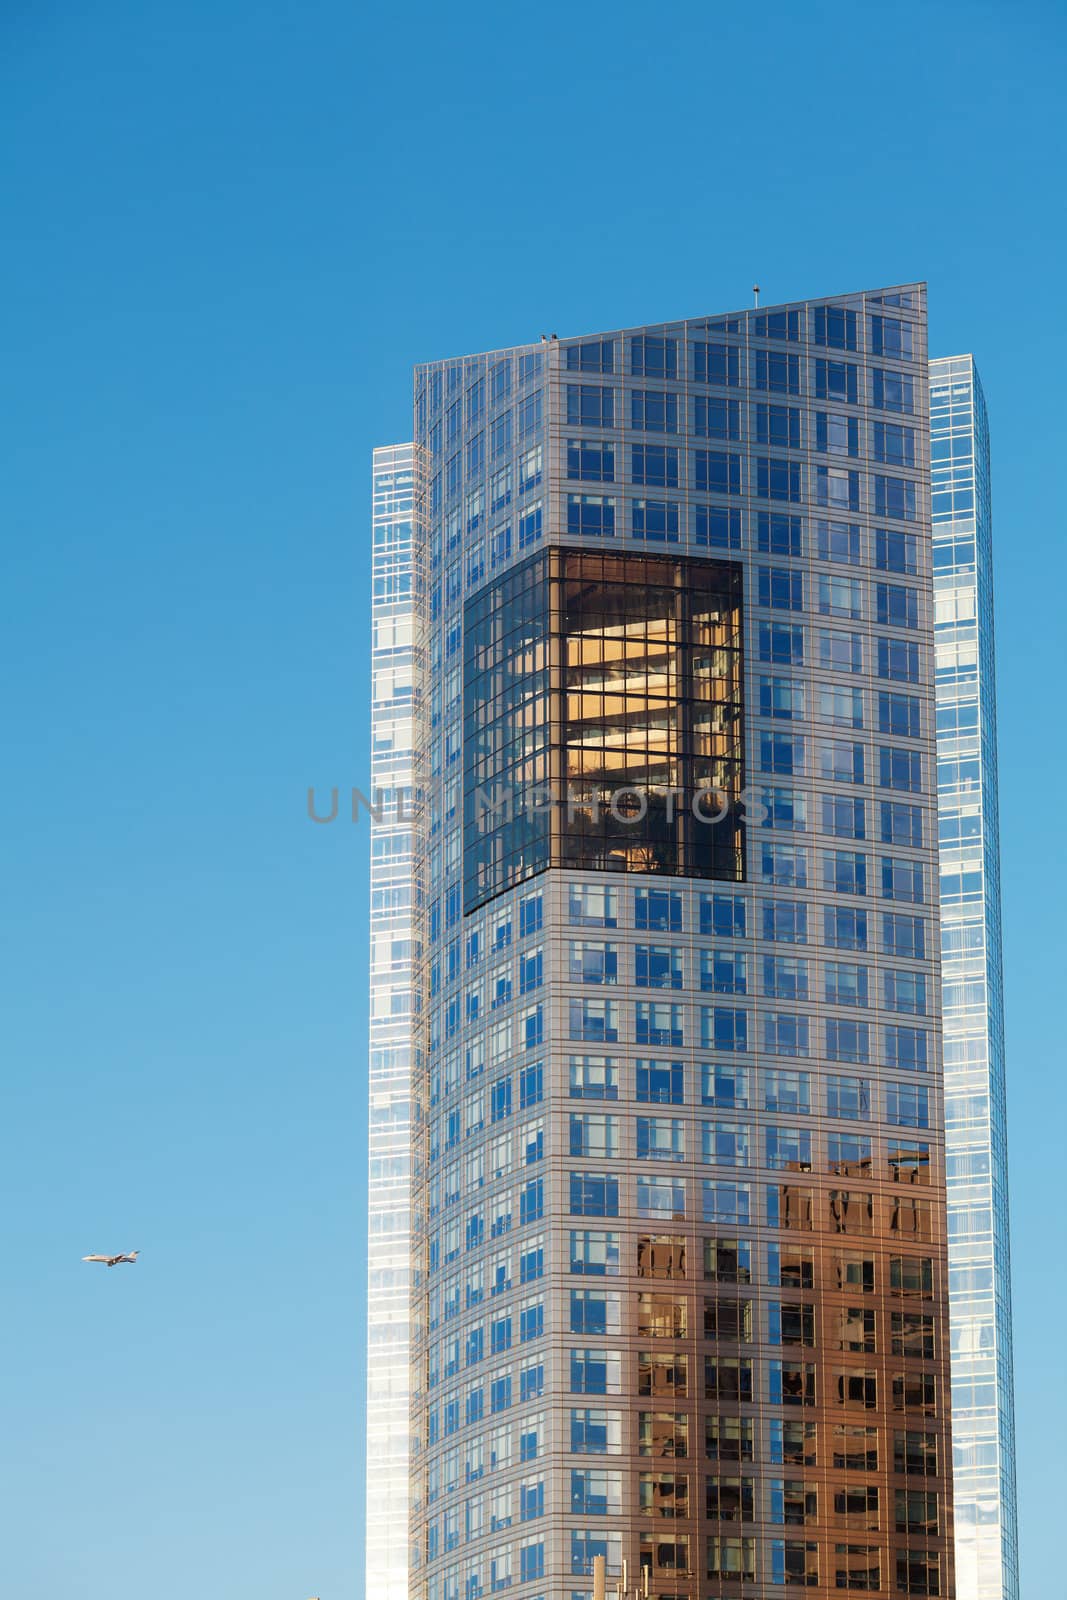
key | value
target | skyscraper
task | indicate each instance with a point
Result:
(389, 1111)
(983, 1419)
(679, 1293)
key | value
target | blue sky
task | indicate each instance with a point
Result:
(230, 228)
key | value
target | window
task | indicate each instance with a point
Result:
(725, 1086)
(727, 1203)
(730, 1499)
(660, 1083)
(592, 961)
(722, 1028)
(904, 936)
(778, 325)
(595, 1373)
(716, 418)
(596, 1493)
(727, 1378)
(787, 1148)
(892, 391)
(778, 534)
(717, 363)
(590, 405)
(778, 426)
(723, 971)
(659, 1022)
(654, 411)
(782, 698)
(785, 978)
(781, 752)
(838, 541)
(915, 1453)
(898, 714)
(595, 1311)
(844, 816)
(663, 1494)
(660, 1139)
(836, 380)
(782, 643)
(894, 497)
(593, 905)
(905, 991)
(591, 514)
(840, 652)
(907, 1105)
(848, 1097)
(594, 1020)
(728, 1260)
(836, 433)
(784, 864)
(594, 1135)
(845, 983)
(593, 355)
(785, 921)
(838, 488)
(892, 337)
(834, 326)
(844, 872)
(663, 1434)
(912, 1335)
(658, 909)
(899, 659)
(593, 1253)
(912, 1275)
(893, 443)
(591, 459)
(725, 1144)
(653, 356)
(847, 1040)
(655, 519)
(906, 1047)
(839, 761)
(776, 372)
(655, 464)
(786, 1092)
(896, 605)
(661, 1255)
(841, 597)
(718, 527)
(593, 1078)
(715, 472)
(896, 551)
(662, 1199)
(595, 1432)
(731, 1560)
(594, 1194)
(777, 478)
(902, 880)
(781, 588)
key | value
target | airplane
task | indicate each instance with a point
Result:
(114, 1261)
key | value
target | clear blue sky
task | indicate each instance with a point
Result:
(230, 226)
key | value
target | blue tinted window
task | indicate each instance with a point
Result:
(716, 363)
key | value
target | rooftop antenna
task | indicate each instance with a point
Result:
(755, 291)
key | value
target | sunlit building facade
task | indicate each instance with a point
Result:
(679, 1286)
(389, 1111)
(983, 1422)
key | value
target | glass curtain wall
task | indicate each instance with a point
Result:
(983, 1418)
(389, 1105)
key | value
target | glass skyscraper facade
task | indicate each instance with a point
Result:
(679, 1287)
(983, 1423)
(389, 1112)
